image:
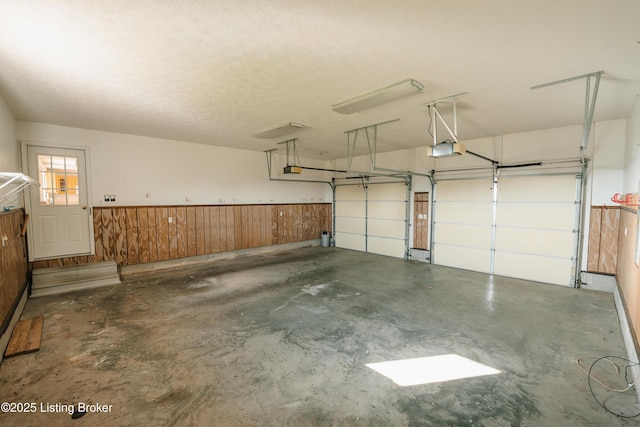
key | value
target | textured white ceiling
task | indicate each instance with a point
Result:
(214, 72)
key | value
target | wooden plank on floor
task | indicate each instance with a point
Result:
(26, 337)
(35, 334)
(19, 337)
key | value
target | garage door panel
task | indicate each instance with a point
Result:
(386, 228)
(391, 210)
(387, 192)
(350, 225)
(372, 220)
(535, 228)
(465, 258)
(535, 241)
(541, 269)
(350, 192)
(356, 209)
(463, 215)
(464, 235)
(543, 215)
(389, 247)
(467, 213)
(466, 190)
(538, 188)
(350, 241)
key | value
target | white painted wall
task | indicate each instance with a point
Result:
(8, 146)
(604, 172)
(9, 158)
(632, 151)
(143, 171)
(607, 162)
(542, 145)
(631, 180)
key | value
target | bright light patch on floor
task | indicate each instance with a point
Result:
(435, 369)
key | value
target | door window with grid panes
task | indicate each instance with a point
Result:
(58, 177)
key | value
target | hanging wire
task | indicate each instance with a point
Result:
(628, 378)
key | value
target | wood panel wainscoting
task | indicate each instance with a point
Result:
(604, 225)
(421, 221)
(14, 271)
(628, 272)
(137, 235)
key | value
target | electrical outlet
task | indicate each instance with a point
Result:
(106, 197)
(170, 219)
(112, 198)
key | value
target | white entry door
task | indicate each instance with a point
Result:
(61, 222)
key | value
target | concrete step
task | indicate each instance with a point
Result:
(58, 280)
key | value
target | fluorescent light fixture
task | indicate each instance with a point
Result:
(279, 130)
(446, 149)
(435, 369)
(379, 96)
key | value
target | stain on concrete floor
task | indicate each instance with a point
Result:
(282, 339)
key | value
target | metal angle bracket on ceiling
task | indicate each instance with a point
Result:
(589, 101)
(269, 154)
(372, 141)
(434, 113)
(292, 151)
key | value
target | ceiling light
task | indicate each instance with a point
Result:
(379, 96)
(279, 130)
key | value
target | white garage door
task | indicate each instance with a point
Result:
(351, 211)
(536, 228)
(372, 219)
(463, 212)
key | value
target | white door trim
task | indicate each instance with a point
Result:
(24, 145)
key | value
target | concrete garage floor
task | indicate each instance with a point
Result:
(284, 339)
